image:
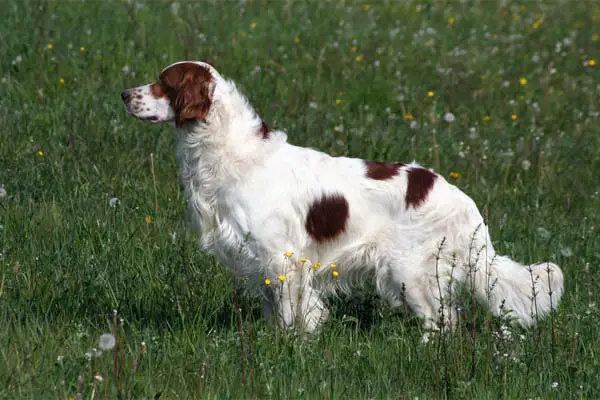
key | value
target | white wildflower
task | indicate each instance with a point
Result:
(106, 341)
(3, 192)
(554, 385)
(566, 252)
(525, 164)
(414, 125)
(543, 233)
(125, 69)
(113, 202)
(313, 105)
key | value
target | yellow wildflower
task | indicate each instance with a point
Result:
(297, 39)
(61, 81)
(487, 118)
(288, 254)
(82, 49)
(267, 281)
(302, 260)
(514, 116)
(333, 266)
(253, 25)
(523, 81)
(408, 117)
(591, 63)
(451, 20)
(366, 7)
(335, 274)
(538, 23)
(316, 266)
(595, 37)
(455, 175)
(282, 278)
(40, 153)
(50, 46)
(358, 58)
(431, 93)
(353, 49)
(148, 219)
(338, 102)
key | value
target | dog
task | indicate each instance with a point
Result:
(300, 224)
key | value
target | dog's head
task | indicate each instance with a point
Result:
(182, 93)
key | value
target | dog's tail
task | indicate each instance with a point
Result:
(526, 293)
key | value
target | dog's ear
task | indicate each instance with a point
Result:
(192, 86)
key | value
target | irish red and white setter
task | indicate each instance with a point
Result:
(299, 223)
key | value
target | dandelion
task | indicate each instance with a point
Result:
(455, 175)
(353, 49)
(430, 93)
(40, 153)
(288, 254)
(538, 23)
(267, 281)
(113, 202)
(148, 219)
(408, 117)
(366, 7)
(61, 81)
(316, 266)
(486, 118)
(106, 342)
(358, 58)
(303, 260)
(590, 63)
(297, 39)
(449, 117)
(335, 274)
(82, 49)
(523, 81)
(333, 266)
(595, 37)
(253, 25)
(451, 20)
(282, 278)
(50, 46)
(338, 102)
(514, 116)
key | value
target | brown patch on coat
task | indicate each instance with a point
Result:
(264, 131)
(327, 217)
(382, 171)
(420, 182)
(187, 86)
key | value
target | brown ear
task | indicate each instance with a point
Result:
(193, 95)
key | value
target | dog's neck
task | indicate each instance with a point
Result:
(219, 152)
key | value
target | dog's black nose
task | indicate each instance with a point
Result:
(125, 95)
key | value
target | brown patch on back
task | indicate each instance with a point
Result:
(264, 131)
(327, 217)
(381, 171)
(420, 182)
(187, 85)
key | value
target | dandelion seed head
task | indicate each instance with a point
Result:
(106, 342)
(449, 117)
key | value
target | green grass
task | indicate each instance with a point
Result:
(344, 77)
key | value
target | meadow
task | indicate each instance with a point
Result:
(502, 98)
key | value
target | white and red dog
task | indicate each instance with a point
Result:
(299, 223)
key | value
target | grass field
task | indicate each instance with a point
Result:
(501, 98)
